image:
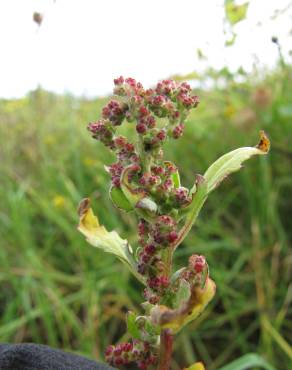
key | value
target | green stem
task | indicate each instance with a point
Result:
(145, 158)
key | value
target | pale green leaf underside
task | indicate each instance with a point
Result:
(109, 242)
(227, 164)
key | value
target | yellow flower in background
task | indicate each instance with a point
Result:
(50, 140)
(14, 105)
(59, 201)
(229, 111)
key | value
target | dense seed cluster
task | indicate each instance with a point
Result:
(157, 115)
(144, 108)
(125, 353)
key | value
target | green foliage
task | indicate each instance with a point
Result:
(132, 325)
(183, 293)
(235, 13)
(248, 361)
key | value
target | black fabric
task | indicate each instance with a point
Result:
(31, 356)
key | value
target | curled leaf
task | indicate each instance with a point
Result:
(175, 319)
(119, 200)
(132, 194)
(137, 197)
(99, 237)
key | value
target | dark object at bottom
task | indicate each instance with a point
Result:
(31, 356)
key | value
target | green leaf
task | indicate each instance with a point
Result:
(191, 212)
(205, 275)
(151, 329)
(119, 200)
(235, 13)
(232, 162)
(132, 325)
(176, 275)
(183, 293)
(176, 179)
(99, 237)
(216, 173)
(175, 176)
(248, 361)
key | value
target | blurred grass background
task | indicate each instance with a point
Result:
(56, 289)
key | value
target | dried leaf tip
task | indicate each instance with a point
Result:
(83, 207)
(264, 143)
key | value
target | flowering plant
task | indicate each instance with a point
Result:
(143, 182)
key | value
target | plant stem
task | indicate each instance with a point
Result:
(166, 342)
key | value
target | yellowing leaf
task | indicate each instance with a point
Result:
(175, 319)
(196, 366)
(99, 237)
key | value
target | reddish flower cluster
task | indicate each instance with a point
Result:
(125, 353)
(158, 115)
(196, 267)
(197, 263)
(115, 112)
(168, 99)
(154, 238)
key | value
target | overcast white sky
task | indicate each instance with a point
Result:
(83, 44)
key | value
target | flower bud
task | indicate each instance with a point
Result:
(197, 263)
(141, 128)
(178, 131)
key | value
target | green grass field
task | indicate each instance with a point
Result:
(56, 289)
